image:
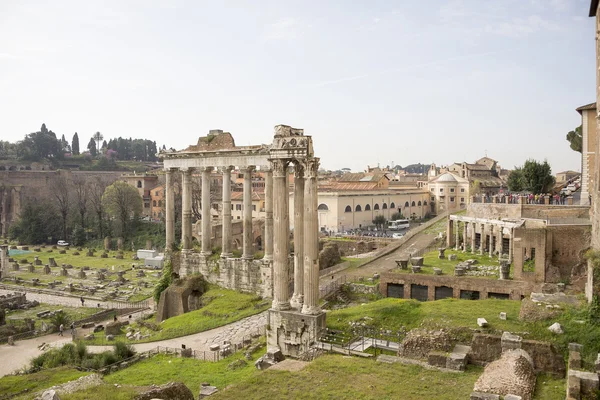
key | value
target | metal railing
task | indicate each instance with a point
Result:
(332, 287)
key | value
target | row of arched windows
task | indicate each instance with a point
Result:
(358, 207)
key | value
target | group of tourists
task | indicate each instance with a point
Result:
(530, 198)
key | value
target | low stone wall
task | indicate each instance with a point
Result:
(364, 289)
(249, 276)
(16, 298)
(513, 289)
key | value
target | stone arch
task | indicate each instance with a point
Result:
(368, 207)
(348, 209)
(425, 203)
(406, 204)
(323, 207)
(358, 208)
(376, 206)
(384, 206)
(139, 184)
(392, 205)
(413, 204)
(419, 203)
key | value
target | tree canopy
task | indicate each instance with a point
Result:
(575, 138)
(39, 145)
(124, 204)
(533, 176)
(75, 144)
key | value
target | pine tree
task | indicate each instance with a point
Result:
(75, 144)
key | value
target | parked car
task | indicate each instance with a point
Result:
(62, 243)
(397, 235)
(572, 187)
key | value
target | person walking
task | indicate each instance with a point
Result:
(60, 329)
(82, 300)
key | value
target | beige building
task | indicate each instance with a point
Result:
(588, 149)
(237, 205)
(143, 183)
(448, 192)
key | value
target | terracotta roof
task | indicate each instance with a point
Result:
(479, 167)
(240, 196)
(348, 186)
(591, 106)
(362, 177)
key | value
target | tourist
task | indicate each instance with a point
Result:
(73, 328)
(60, 329)
(82, 300)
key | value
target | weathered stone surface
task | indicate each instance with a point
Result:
(512, 397)
(576, 347)
(502, 316)
(484, 396)
(574, 360)
(586, 383)
(417, 261)
(207, 390)
(114, 328)
(50, 395)
(419, 342)
(437, 359)
(170, 391)
(510, 341)
(452, 257)
(182, 296)
(437, 271)
(512, 374)
(329, 256)
(556, 328)
(485, 348)
(482, 322)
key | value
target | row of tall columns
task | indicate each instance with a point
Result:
(281, 226)
(186, 220)
(491, 231)
(311, 239)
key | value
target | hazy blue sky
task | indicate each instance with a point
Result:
(372, 81)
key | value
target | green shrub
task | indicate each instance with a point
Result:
(165, 280)
(123, 350)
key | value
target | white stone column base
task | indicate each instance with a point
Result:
(280, 306)
(297, 301)
(226, 255)
(311, 310)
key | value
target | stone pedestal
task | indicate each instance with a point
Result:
(441, 255)
(292, 332)
(504, 269)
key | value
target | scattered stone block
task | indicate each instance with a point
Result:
(441, 255)
(62, 251)
(503, 316)
(110, 337)
(172, 390)
(576, 347)
(416, 269)
(459, 271)
(50, 395)
(214, 347)
(104, 255)
(588, 383)
(98, 328)
(437, 271)
(89, 337)
(510, 341)
(512, 397)
(452, 257)
(482, 322)
(556, 328)
(416, 261)
(574, 360)
(207, 390)
(11, 341)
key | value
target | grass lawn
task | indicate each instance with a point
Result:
(398, 314)
(431, 260)
(11, 385)
(222, 307)
(75, 313)
(103, 392)
(78, 261)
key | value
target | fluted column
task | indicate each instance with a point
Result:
(206, 219)
(247, 215)
(268, 215)
(186, 212)
(226, 214)
(281, 228)
(169, 210)
(499, 240)
(473, 234)
(511, 245)
(311, 239)
(298, 296)
(482, 239)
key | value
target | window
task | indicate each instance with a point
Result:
(432, 198)
(462, 199)
(153, 203)
(156, 193)
(441, 190)
(392, 205)
(413, 204)
(452, 199)
(376, 206)
(425, 203)
(384, 207)
(253, 207)
(433, 189)
(323, 207)
(462, 190)
(406, 204)
(238, 207)
(232, 207)
(419, 203)
(348, 209)
(139, 184)
(160, 203)
(358, 208)
(451, 190)
(368, 207)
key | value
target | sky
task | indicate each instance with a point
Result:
(373, 82)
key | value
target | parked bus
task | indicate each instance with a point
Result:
(399, 224)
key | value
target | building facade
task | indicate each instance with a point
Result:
(448, 192)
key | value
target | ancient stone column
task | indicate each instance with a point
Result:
(510, 245)
(473, 226)
(491, 247)
(206, 218)
(449, 233)
(281, 227)
(226, 244)
(268, 215)
(311, 239)
(499, 240)
(482, 239)
(298, 296)
(186, 213)
(248, 254)
(169, 209)
(465, 235)
(457, 239)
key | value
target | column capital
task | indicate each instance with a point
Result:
(247, 168)
(226, 169)
(170, 170)
(311, 167)
(298, 170)
(279, 168)
(186, 170)
(205, 169)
